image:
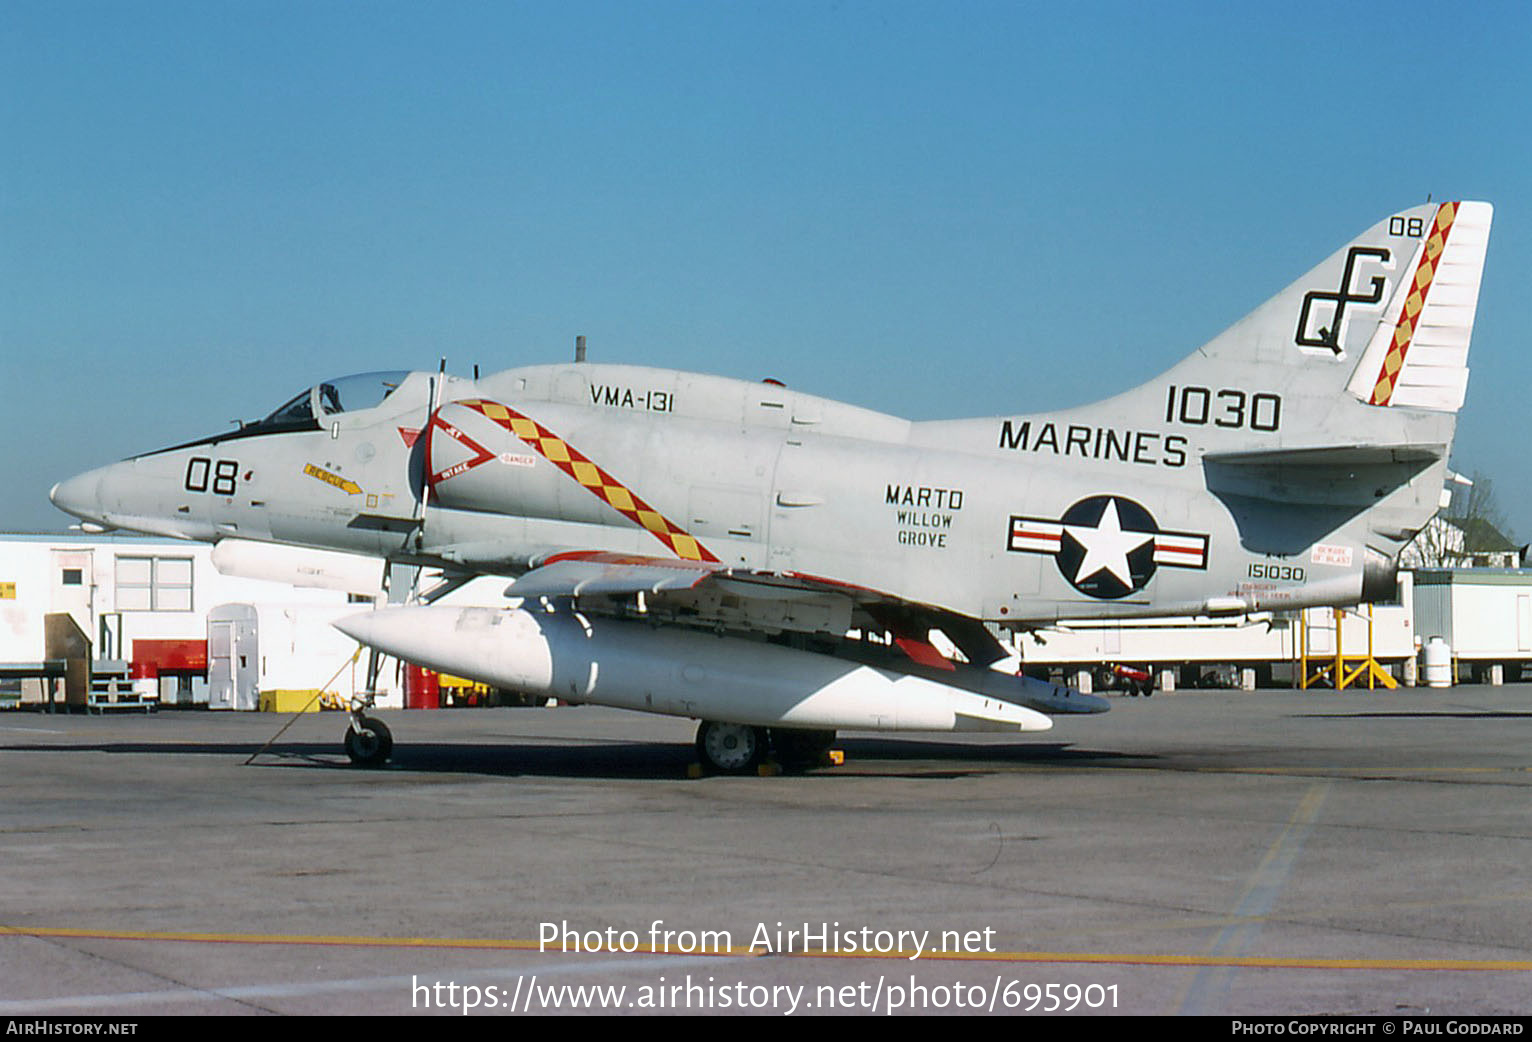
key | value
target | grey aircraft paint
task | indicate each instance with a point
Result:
(1284, 464)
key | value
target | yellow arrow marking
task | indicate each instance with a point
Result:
(346, 485)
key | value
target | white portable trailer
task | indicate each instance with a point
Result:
(1484, 615)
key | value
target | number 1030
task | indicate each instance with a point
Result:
(1226, 407)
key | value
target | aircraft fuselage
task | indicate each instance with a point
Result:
(1015, 520)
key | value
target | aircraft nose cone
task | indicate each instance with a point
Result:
(79, 495)
(466, 642)
(363, 629)
(404, 632)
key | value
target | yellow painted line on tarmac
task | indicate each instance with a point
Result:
(493, 944)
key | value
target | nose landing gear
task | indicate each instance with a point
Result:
(369, 742)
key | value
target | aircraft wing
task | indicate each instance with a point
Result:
(592, 572)
(682, 599)
(578, 573)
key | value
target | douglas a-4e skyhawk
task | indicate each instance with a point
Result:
(701, 546)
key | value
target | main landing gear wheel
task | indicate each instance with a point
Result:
(730, 748)
(371, 745)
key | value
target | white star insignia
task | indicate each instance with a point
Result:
(1107, 546)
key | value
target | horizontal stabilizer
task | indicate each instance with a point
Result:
(1339, 475)
(1285, 500)
(1332, 456)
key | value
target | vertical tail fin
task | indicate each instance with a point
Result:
(1418, 354)
(1384, 321)
(1369, 349)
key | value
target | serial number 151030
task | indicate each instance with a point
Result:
(1292, 573)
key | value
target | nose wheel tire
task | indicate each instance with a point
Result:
(371, 745)
(730, 748)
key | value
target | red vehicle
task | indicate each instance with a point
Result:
(1130, 679)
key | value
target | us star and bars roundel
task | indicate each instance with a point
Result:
(1107, 546)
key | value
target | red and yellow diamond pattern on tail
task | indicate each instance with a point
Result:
(601, 484)
(1414, 303)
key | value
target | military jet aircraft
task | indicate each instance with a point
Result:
(705, 547)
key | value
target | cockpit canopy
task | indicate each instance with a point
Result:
(346, 394)
(307, 411)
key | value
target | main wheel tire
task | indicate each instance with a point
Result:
(730, 748)
(372, 746)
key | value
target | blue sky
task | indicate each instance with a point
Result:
(934, 209)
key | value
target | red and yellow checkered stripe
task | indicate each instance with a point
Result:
(601, 484)
(1414, 303)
